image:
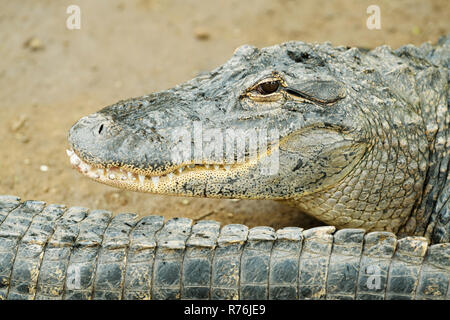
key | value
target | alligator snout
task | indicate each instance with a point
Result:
(95, 124)
(89, 135)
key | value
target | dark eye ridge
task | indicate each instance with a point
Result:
(268, 87)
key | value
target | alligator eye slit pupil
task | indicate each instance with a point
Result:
(268, 87)
(100, 129)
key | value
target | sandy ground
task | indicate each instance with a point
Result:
(51, 76)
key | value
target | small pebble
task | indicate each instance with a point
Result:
(22, 138)
(202, 34)
(34, 44)
(185, 201)
(230, 215)
(18, 124)
(27, 161)
(43, 168)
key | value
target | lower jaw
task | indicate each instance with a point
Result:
(164, 184)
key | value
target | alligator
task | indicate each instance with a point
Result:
(356, 138)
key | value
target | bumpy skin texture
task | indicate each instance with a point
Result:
(54, 252)
(363, 136)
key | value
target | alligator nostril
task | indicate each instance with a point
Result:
(100, 129)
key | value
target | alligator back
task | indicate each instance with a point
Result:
(55, 252)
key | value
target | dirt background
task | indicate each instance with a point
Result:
(51, 76)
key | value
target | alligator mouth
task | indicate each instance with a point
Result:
(121, 177)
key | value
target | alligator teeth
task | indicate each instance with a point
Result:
(84, 167)
(155, 181)
(112, 173)
(75, 160)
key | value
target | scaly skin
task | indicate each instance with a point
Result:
(54, 252)
(362, 138)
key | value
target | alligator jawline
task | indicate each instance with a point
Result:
(116, 175)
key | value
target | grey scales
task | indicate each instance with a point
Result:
(51, 252)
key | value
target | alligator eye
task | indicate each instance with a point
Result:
(268, 87)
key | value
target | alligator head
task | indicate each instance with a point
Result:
(313, 124)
